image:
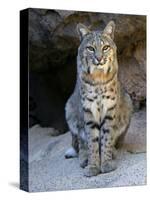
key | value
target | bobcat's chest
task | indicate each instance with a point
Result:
(91, 99)
(98, 101)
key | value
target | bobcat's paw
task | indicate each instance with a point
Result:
(91, 170)
(108, 166)
(84, 163)
(71, 153)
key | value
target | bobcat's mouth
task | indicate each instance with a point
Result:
(96, 66)
(101, 62)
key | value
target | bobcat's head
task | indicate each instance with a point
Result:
(97, 51)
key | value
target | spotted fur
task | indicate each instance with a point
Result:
(99, 110)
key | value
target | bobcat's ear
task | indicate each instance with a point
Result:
(82, 30)
(110, 29)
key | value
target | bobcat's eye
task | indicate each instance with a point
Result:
(90, 48)
(106, 48)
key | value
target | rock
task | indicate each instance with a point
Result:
(53, 49)
(49, 170)
(40, 142)
(135, 140)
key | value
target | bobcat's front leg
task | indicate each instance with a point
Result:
(107, 149)
(83, 154)
(92, 130)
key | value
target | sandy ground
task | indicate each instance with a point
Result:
(49, 170)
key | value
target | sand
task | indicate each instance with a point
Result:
(49, 170)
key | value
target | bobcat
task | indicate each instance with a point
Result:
(99, 110)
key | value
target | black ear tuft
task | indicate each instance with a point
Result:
(110, 29)
(82, 30)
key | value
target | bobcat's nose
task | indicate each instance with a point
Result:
(98, 60)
